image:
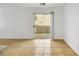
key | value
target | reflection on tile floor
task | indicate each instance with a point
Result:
(60, 48)
(36, 47)
(42, 47)
(42, 36)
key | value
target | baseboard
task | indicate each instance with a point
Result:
(72, 48)
(15, 38)
(58, 39)
(68, 45)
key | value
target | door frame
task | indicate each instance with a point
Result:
(52, 23)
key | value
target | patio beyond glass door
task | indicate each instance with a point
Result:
(42, 25)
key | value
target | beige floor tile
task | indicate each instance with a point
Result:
(36, 47)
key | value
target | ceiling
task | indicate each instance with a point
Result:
(33, 5)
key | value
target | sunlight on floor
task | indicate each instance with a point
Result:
(42, 46)
(42, 36)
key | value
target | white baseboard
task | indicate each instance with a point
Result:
(72, 48)
(58, 39)
(14, 38)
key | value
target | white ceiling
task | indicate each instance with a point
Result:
(38, 5)
(33, 5)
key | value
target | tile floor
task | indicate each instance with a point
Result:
(60, 48)
(41, 36)
(42, 47)
(36, 47)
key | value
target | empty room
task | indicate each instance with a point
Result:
(39, 29)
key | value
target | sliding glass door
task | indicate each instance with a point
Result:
(42, 25)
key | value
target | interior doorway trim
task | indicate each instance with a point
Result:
(51, 13)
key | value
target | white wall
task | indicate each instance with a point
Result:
(71, 27)
(58, 22)
(16, 22)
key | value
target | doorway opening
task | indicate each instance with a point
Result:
(42, 26)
